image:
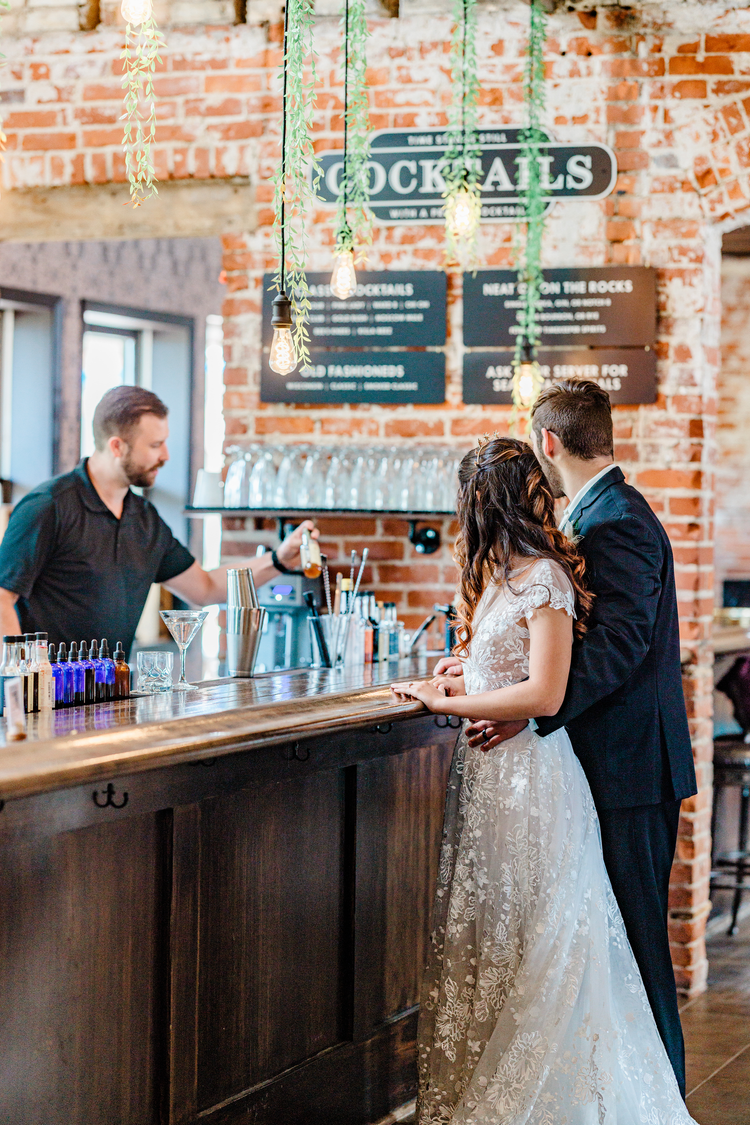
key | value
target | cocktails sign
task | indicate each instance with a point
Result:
(407, 181)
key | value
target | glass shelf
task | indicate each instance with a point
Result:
(318, 513)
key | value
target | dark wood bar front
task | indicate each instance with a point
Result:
(215, 907)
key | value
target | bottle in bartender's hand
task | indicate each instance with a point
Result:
(310, 559)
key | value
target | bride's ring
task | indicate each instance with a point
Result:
(485, 734)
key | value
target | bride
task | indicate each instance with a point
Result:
(533, 1011)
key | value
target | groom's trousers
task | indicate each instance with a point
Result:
(639, 845)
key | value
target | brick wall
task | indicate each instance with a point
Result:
(672, 104)
(733, 452)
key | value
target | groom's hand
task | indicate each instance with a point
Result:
(485, 735)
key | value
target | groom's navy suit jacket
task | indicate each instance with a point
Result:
(624, 709)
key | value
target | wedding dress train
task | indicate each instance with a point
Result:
(533, 1010)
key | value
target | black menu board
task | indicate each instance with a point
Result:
(628, 374)
(607, 306)
(391, 309)
(384, 377)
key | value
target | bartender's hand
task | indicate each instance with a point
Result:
(448, 666)
(486, 735)
(288, 551)
(209, 587)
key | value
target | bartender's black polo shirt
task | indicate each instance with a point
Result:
(79, 572)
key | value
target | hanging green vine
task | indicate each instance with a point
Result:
(294, 192)
(533, 203)
(463, 158)
(353, 215)
(141, 54)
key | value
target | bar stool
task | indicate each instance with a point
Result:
(732, 769)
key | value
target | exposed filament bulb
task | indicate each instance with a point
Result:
(344, 277)
(462, 214)
(283, 358)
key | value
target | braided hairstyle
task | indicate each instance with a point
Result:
(506, 511)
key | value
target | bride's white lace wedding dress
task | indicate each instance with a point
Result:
(533, 1011)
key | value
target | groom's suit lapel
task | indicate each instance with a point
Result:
(578, 515)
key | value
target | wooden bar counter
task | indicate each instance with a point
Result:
(215, 905)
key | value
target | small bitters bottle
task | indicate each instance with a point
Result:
(46, 683)
(79, 676)
(100, 673)
(122, 674)
(109, 669)
(309, 554)
(58, 676)
(31, 672)
(90, 672)
(8, 665)
(67, 676)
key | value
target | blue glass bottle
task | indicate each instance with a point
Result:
(58, 677)
(79, 677)
(90, 673)
(67, 676)
(109, 669)
(100, 674)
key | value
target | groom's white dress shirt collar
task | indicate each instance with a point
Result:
(565, 525)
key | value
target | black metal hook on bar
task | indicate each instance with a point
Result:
(296, 753)
(452, 721)
(109, 801)
(384, 728)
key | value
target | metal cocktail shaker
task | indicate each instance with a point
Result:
(245, 622)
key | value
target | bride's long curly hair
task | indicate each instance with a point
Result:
(506, 511)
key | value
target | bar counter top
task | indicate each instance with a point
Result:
(78, 744)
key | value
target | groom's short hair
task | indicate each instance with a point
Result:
(580, 413)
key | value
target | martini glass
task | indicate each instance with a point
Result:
(183, 624)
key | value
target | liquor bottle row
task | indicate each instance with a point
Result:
(53, 678)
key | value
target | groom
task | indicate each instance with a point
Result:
(624, 709)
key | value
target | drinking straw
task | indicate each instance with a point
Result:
(327, 583)
(365, 553)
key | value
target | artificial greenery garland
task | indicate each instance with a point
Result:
(531, 197)
(141, 54)
(353, 216)
(463, 156)
(294, 192)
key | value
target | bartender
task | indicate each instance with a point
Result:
(82, 550)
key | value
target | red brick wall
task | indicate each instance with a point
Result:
(672, 103)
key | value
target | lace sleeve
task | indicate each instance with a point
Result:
(546, 584)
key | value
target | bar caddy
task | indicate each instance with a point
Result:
(245, 623)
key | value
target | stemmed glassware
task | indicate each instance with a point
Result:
(355, 477)
(183, 624)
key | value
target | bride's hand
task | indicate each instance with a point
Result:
(449, 684)
(425, 692)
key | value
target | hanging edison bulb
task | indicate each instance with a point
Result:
(462, 213)
(344, 277)
(136, 12)
(527, 378)
(283, 357)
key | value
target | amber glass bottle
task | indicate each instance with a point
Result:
(122, 674)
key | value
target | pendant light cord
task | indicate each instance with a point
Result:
(463, 99)
(283, 153)
(346, 101)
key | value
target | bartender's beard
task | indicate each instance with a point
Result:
(552, 474)
(138, 475)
